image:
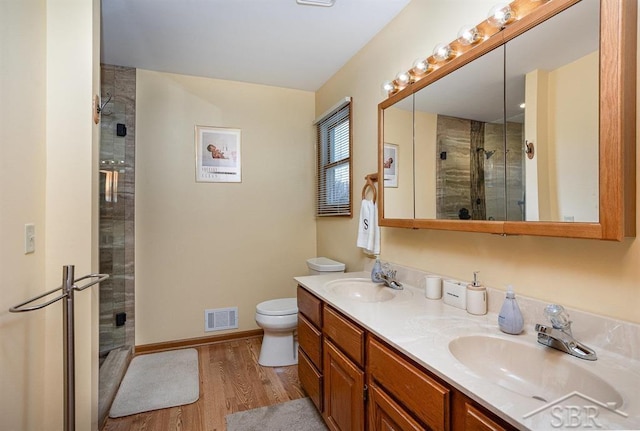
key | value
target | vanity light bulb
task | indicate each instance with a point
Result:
(499, 15)
(468, 35)
(420, 67)
(442, 52)
(388, 87)
(403, 79)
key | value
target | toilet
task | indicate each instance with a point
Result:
(279, 320)
(323, 265)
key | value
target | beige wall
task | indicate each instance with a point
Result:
(426, 131)
(398, 130)
(209, 245)
(602, 277)
(574, 131)
(49, 52)
(22, 179)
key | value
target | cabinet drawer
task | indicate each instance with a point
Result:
(475, 420)
(386, 415)
(310, 379)
(346, 335)
(419, 393)
(310, 340)
(310, 306)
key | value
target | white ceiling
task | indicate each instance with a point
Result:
(271, 42)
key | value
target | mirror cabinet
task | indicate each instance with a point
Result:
(531, 131)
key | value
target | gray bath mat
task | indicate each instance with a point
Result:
(157, 381)
(298, 414)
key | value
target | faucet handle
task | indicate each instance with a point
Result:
(558, 316)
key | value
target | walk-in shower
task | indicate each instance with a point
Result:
(116, 232)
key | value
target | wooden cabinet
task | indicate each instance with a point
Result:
(469, 416)
(343, 391)
(344, 381)
(420, 394)
(475, 420)
(359, 382)
(387, 415)
(310, 379)
(310, 346)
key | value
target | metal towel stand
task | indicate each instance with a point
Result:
(68, 288)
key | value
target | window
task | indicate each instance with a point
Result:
(334, 161)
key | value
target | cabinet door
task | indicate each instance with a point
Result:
(475, 420)
(343, 391)
(386, 415)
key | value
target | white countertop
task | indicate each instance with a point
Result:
(422, 329)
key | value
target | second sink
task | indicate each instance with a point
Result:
(361, 290)
(532, 371)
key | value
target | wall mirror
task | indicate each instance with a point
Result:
(532, 131)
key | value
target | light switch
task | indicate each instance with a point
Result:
(29, 238)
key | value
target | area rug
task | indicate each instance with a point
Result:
(298, 414)
(157, 381)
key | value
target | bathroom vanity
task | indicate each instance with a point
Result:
(394, 394)
(400, 361)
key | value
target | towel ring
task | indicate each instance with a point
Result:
(370, 184)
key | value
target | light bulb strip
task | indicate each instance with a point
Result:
(485, 29)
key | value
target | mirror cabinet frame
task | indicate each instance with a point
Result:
(617, 128)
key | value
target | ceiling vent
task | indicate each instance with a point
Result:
(325, 3)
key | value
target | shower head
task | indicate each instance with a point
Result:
(487, 154)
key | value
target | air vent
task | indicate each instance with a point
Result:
(220, 318)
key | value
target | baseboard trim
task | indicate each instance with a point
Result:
(194, 342)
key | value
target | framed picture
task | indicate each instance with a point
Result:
(390, 165)
(217, 155)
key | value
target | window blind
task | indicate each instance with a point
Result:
(334, 162)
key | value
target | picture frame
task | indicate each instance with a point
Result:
(390, 165)
(218, 154)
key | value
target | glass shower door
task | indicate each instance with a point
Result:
(112, 227)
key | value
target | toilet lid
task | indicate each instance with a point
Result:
(278, 307)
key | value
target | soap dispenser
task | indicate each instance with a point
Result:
(510, 318)
(375, 271)
(476, 297)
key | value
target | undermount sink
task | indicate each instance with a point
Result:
(540, 373)
(361, 290)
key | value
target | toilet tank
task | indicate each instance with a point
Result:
(323, 265)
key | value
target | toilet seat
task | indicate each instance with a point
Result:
(278, 307)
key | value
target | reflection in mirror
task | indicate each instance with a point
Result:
(553, 69)
(459, 143)
(398, 160)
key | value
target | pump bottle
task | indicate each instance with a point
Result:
(476, 297)
(375, 271)
(510, 318)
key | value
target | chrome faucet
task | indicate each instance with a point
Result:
(559, 335)
(388, 277)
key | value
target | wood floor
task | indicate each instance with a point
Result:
(230, 381)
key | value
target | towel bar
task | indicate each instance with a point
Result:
(371, 179)
(68, 289)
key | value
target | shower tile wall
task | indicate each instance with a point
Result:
(503, 201)
(117, 157)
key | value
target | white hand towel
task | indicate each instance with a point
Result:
(374, 241)
(364, 224)
(368, 230)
